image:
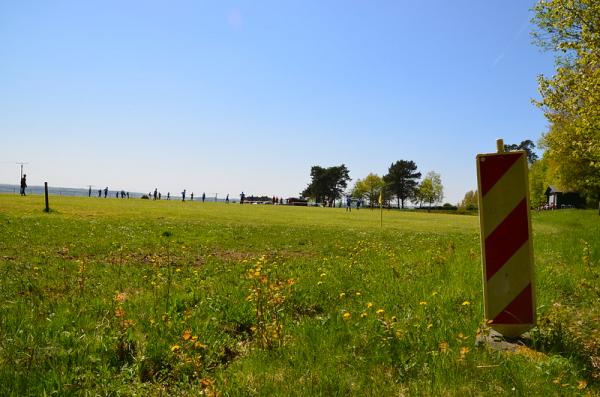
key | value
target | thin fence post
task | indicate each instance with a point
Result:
(46, 194)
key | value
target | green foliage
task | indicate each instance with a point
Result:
(470, 202)
(278, 300)
(526, 145)
(369, 188)
(571, 99)
(431, 189)
(539, 180)
(402, 180)
(327, 184)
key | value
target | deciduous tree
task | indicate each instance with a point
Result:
(431, 189)
(327, 184)
(369, 188)
(571, 98)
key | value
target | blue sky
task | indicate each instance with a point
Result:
(247, 96)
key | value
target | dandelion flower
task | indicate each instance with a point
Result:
(380, 311)
(423, 303)
(443, 346)
(370, 305)
(582, 384)
(177, 270)
(187, 334)
(200, 345)
(347, 315)
(363, 315)
(358, 294)
(319, 283)
(466, 303)
(429, 326)
(342, 294)
(175, 348)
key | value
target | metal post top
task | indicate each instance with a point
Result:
(500, 145)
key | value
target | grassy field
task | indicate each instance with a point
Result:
(134, 297)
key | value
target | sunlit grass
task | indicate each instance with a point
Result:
(113, 296)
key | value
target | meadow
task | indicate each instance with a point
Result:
(153, 298)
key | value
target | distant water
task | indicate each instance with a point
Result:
(79, 192)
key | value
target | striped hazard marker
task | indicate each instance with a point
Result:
(507, 249)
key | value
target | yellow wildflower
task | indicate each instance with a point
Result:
(370, 305)
(363, 314)
(423, 303)
(443, 347)
(342, 294)
(175, 348)
(380, 311)
(187, 334)
(466, 303)
(200, 345)
(347, 315)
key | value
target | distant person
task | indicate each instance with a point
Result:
(242, 197)
(168, 195)
(227, 199)
(159, 195)
(90, 192)
(99, 192)
(106, 192)
(23, 184)
(192, 196)
(127, 194)
(348, 203)
(155, 193)
(183, 195)
(358, 204)
(117, 194)
(203, 196)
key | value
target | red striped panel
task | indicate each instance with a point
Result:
(519, 311)
(491, 169)
(506, 239)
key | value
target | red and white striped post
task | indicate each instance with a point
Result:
(506, 241)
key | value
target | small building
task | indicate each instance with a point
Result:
(560, 198)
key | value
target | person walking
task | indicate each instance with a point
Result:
(168, 195)
(23, 184)
(203, 196)
(192, 196)
(227, 199)
(183, 195)
(348, 203)
(106, 192)
(155, 193)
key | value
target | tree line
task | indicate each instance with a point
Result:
(570, 99)
(401, 183)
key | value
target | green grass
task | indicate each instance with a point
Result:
(135, 297)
